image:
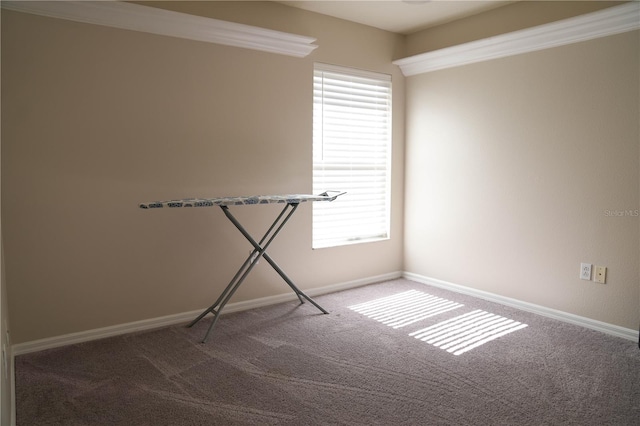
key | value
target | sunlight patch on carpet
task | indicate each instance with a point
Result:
(404, 308)
(463, 333)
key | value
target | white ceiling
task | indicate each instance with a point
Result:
(398, 16)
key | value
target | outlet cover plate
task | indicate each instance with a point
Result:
(600, 275)
(585, 271)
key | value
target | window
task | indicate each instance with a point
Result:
(351, 153)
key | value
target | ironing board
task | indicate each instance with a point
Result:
(291, 203)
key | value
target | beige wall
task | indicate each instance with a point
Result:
(5, 343)
(96, 120)
(5, 375)
(515, 16)
(516, 170)
(510, 166)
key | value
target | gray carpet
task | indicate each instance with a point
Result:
(380, 358)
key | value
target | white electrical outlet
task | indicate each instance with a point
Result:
(585, 271)
(600, 275)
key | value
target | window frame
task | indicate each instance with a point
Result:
(381, 138)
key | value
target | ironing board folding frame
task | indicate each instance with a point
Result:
(259, 248)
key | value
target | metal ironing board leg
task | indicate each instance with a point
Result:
(258, 251)
(271, 262)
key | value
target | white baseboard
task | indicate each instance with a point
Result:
(149, 324)
(603, 327)
(85, 336)
(152, 323)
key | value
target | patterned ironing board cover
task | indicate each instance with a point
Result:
(235, 201)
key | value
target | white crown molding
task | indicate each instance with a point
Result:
(147, 19)
(610, 21)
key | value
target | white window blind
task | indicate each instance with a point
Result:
(351, 152)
